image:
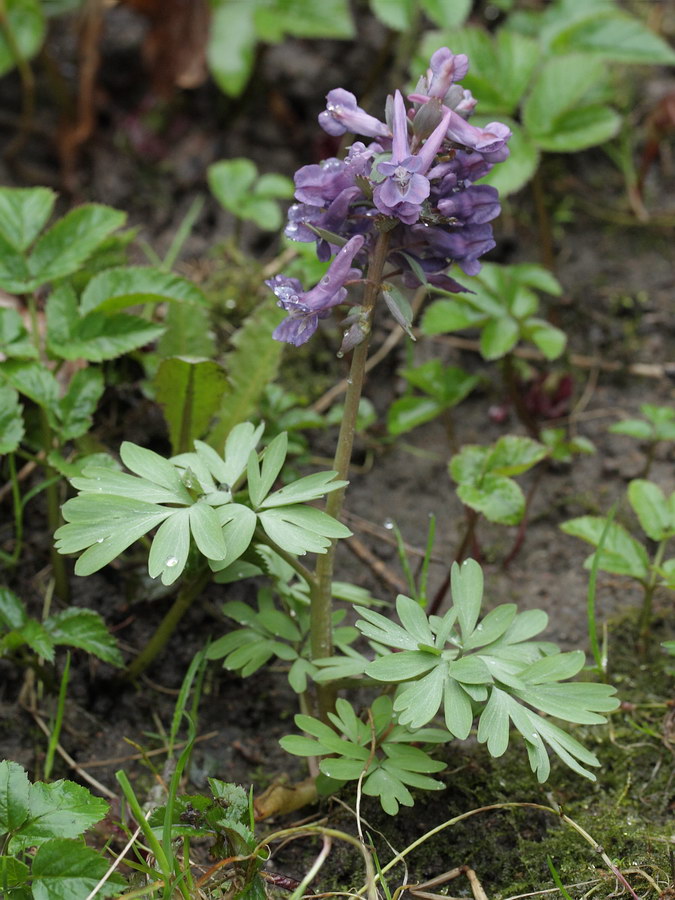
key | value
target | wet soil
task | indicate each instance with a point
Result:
(617, 307)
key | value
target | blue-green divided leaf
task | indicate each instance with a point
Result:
(14, 796)
(414, 620)
(11, 419)
(205, 525)
(621, 554)
(457, 709)
(189, 392)
(301, 746)
(68, 870)
(556, 667)
(79, 404)
(148, 464)
(492, 627)
(577, 702)
(62, 250)
(14, 339)
(389, 789)
(417, 702)
(60, 809)
(384, 631)
(311, 487)
(342, 769)
(238, 524)
(301, 529)
(408, 664)
(466, 582)
(116, 289)
(493, 726)
(170, 546)
(23, 211)
(273, 459)
(26, 22)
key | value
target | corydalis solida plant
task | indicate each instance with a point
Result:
(403, 206)
(415, 182)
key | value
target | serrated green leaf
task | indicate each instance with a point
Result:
(68, 870)
(12, 609)
(560, 85)
(14, 339)
(14, 873)
(513, 455)
(98, 337)
(34, 381)
(78, 406)
(62, 250)
(14, 274)
(580, 128)
(331, 19)
(85, 629)
(116, 289)
(23, 211)
(60, 809)
(611, 35)
(14, 796)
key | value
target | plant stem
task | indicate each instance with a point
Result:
(650, 587)
(292, 561)
(471, 521)
(522, 528)
(514, 391)
(321, 601)
(186, 597)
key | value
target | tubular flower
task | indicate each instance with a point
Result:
(305, 308)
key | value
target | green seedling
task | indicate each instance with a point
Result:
(42, 853)
(563, 449)
(442, 387)
(622, 554)
(657, 425)
(238, 188)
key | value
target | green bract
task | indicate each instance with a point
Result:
(193, 497)
(490, 668)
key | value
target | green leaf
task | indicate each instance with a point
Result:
(62, 250)
(611, 35)
(577, 129)
(34, 381)
(117, 289)
(449, 315)
(382, 630)
(395, 14)
(98, 337)
(12, 874)
(498, 498)
(447, 13)
(35, 635)
(457, 710)
(299, 745)
(187, 332)
(189, 392)
(556, 667)
(12, 610)
(303, 18)
(85, 629)
(238, 525)
(389, 789)
(414, 620)
(235, 184)
(621, 554)
(498, 337)
(513, 455)
(14, 339)
(11, 419)
(492, 627)
(148, 464)
(231, 46)
(399, 306)
(418, 701)
(407, 413)
(68, 870)
(343, 769)
(395, 667)
(23, 211)
(561, 84)
(549, 339)
(655, 513)
(635, 428)
(26, 22)
(60, 809)
(493, 726)
(14, 796)
(205, 525)
(79, 404)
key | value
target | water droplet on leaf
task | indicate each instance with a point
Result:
(388, 524)
(171, 562)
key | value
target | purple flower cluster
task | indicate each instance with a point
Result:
(416, 179)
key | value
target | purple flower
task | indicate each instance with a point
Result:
(490, 141)
(463, 246)
(305, 308)
(444, 69)
(473, 206)
(405, 186)
(343, 114)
